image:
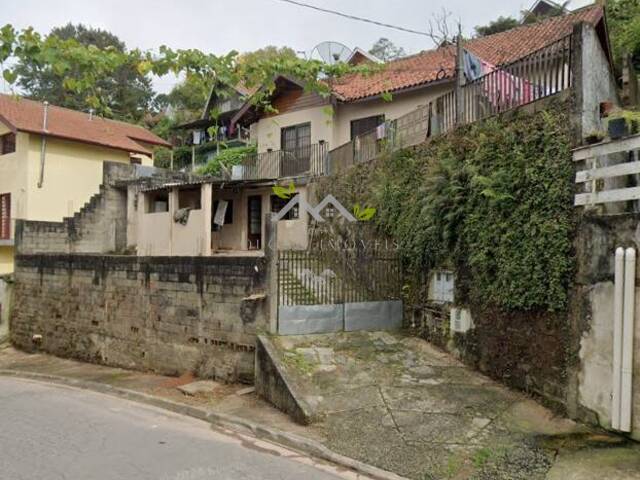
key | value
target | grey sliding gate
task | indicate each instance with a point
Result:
(329, 291)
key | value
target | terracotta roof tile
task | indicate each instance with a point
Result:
(431, 65)
(27, 115)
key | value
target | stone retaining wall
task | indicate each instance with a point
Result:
(166, 314)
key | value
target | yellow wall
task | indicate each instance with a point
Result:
(13, 174)
(6, 260)
(72, 174)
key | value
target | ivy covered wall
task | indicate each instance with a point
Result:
(493, 202)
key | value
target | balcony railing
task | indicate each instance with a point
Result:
(541, 74)
(308, 160)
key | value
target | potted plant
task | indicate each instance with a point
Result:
(595, 136)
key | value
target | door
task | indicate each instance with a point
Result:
(254, 216)
(296, 149)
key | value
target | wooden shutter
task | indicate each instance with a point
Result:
(5, 216)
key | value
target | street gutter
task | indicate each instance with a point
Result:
(217, 420)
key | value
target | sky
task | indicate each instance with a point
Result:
(220, 26)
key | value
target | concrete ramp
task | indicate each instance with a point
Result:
(313, 376)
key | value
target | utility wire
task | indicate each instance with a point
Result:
(353, 17)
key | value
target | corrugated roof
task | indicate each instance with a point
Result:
(27, 115)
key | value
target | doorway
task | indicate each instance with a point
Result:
(254, 217)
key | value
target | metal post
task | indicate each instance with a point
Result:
(459, 118)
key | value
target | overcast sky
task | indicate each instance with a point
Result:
(219, 26)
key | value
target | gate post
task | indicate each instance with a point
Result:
(271, 257)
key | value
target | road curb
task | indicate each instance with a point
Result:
(220, 420)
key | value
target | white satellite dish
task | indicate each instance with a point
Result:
(331, 52)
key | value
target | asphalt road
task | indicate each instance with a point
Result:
(52, 432)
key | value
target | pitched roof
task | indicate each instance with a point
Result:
(439, 64)
(26, 115)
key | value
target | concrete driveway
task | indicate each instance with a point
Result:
(57, 432)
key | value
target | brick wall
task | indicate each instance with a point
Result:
(165, 314)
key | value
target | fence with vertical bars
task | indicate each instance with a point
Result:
(325, 278)
(540, 74)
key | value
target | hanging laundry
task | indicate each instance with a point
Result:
(381, 131)
(472, 66)
(504, 89)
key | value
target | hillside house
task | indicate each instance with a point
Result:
(51, 162)
(298, 142)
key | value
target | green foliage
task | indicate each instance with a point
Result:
(284, 192)
(225, 160)
(623, 19)
(127, 92)
(501, 24)
(268, 53)
(83, 68)
(492, 200)
(529, 17)
(385, 50)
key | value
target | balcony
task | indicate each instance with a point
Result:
(310, 160)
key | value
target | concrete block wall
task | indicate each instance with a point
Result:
(99, 227)
(166, 314)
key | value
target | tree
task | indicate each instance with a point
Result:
(386, 50)
(501, 24)
(269, 53)
(623, 18)
(529, 17)
(83, 68)
(128, 93)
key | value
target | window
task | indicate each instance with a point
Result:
(365, 125)
(7, 143)
(228, 215)
(189, 198)
(5, 216)
(157, 202)
(296, 138)
(278, 204)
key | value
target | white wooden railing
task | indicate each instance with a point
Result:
(603, 180)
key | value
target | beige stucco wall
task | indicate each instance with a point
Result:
(596, 358)
(154, 234)
(267, 130)
(333, 125)
(400, 104)
(292, 234)
(158, 235)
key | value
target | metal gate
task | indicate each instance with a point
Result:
(329, 291)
